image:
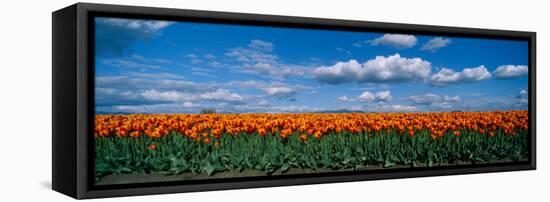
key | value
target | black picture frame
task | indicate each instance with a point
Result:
(73, 99)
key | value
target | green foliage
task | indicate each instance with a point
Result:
(208, 111)
(176, 154)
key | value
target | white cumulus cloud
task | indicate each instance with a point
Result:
(378, 96)
(510, 71)
(468, 75)
(435, 44)
(399, 41)
(144, 26)
(523, 93)
(366, 97)
(222, 95)
(393, 68)
(383, 95)
(280, 92)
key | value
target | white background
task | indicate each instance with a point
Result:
(25, 100)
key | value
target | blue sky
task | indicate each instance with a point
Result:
(145, 66)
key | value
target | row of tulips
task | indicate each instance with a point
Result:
(198, 126)
(275, 143)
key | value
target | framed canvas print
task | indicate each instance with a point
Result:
(154, 100)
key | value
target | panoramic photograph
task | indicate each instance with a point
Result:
(182, 101)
